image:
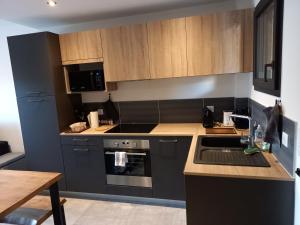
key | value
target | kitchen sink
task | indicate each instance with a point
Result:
(220, 130)
(226, 151)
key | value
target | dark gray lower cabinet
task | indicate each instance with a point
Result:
(168, 157)
(40, 132)
(84, 168)
(234, 201)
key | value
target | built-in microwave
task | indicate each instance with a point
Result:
(88, 80)
(84, 77)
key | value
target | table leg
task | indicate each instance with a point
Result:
(58, 213)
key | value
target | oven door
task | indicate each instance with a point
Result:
(136, 172)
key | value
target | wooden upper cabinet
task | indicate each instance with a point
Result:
(167, 48)
(81, 47)
(126, 53)
(215, 43)
(248, 40)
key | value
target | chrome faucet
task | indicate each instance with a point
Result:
(249, 140)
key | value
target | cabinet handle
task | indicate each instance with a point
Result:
(298, 172)
(80, 149)
(80, 139)
(168, 141)
(36, 100)
(34, 92)
(129, 153)
(270, 65)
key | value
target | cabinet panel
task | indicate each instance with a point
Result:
(167, 48)
(85, 169)
(125, 52)
(168, 156)
(90, 44)
(40, 132)
(85, 45)
(31, 67)
(248, 40)
(215, 43)
(69, 47)
(80, 140)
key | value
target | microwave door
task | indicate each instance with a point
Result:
(78, 82)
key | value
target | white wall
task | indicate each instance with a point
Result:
(9, 117)
(290, 79)
(228, 85)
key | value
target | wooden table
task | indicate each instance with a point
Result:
(17, 187)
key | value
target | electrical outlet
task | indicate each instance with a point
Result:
(100, 112)
(211, 108)
(285, 139)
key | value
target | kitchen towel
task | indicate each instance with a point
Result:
(273, 129)
(120, 159)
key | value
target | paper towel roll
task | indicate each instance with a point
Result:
(94, 119)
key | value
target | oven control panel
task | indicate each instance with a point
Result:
(126, 144)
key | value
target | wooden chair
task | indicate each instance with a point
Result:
(33, 212)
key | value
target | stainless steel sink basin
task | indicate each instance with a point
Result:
(226, 151)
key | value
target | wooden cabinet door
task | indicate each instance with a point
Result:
(69, 47)
(168, 157)
(215, 43)
(125, 53)
(248, 40)
(167, 48)
(85, 45)
(90, 46)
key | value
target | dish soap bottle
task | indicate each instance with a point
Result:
(259, 135)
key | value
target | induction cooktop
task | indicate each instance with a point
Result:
(132, 128)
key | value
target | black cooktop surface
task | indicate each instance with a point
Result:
(132, 128)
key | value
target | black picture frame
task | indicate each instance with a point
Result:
(271, 86)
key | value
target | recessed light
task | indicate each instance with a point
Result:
(51, 3)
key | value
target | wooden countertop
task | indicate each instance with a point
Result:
(275, 172)
(169, 129)
(17, 187)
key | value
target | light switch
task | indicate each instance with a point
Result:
(285, 139)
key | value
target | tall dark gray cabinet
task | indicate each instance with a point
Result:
(44, 107)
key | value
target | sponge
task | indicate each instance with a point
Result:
(250, 151)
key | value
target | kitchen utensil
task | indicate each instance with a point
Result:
(208, 120)
(93, 119)
(78, 127)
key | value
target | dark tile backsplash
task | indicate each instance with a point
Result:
(283, 154)
(170, 111)
(220, 105)
(242, 104)
(139, 112)
(177, 111)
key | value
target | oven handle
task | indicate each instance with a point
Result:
(129, 153)
(168, 141)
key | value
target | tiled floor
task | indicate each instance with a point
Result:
(90, 212)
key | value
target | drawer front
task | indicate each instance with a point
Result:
(80, 140)
(82, 148)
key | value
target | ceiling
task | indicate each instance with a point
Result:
(37, 14)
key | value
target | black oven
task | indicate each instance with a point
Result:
(137, 169)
